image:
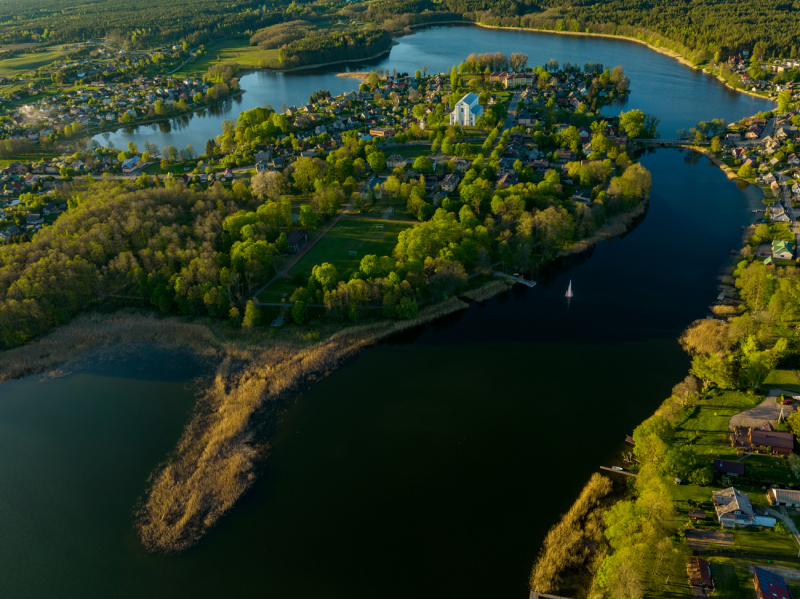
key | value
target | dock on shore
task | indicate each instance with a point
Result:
(497, 273)
(625, 472)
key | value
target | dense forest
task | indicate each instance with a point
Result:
(300, 43)
(145, 23)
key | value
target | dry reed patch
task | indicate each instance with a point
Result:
(487, 291)
(567, 543)
(91, 331)
(216, 458)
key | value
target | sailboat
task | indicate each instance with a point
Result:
(569, 289)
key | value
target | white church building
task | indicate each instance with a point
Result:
(466, 111)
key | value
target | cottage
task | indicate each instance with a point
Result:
(770, 585)
(699, 573)
(131, 164)
(728, 468)
(34, 218)
(763, 438)
(297, 239)
(696, 515)
(782, 249)
(10, 232)
(783, 497)
(507, 180)
(466, 111)
(733, 508)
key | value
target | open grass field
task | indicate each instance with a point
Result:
(707, 429)
(787, 380)
(238, 51)
(28, 62)
(769, 468)
(351, 235)
(765, 541)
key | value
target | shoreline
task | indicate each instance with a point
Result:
(661, 50)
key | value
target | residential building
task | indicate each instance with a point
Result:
(466, 111)
(699, 573)
(396, 161)
(297, 239)
(784, 497)
(782, 249)
(763, 438)
(733, 508)
(770, 585)
(728, 468)
(449, 183)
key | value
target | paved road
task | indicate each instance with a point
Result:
(512, 110)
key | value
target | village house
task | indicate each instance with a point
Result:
(769, 585)
(699, 572)
(297, 239)
(784, 497)
(782, 249)
(733, 508)
(764, 438)
(449, 183)
(728, 468)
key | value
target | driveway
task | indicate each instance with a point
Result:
(766, 410)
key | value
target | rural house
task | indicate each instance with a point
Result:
(733, 508)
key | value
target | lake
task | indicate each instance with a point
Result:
(429, 466)
(681, 97)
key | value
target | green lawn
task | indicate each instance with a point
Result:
(764, 541)
(28, 62)
(768, 468)
(238, 51)
(707, 429)
(351, 235)
(276, 291)
(787, 380)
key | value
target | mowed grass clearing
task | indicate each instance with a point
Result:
(229, 51)
(788, 380)
(28, 62)
(352, 235)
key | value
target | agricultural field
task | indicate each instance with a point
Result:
(349, 241)
(23, 63)
(228, 51)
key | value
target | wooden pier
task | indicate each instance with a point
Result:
(625, 472)
(497, 273)
(537, 595)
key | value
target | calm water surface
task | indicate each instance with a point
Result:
(431, 466)
(681, 97)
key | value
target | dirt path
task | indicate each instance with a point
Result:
(699, 540)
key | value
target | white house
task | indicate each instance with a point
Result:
(466, 111)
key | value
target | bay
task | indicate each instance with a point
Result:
(679, 96)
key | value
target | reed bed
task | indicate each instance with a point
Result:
(216, 459)
(88, 332)
(567, 544)
(487, 291)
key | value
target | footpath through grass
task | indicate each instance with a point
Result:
(348, 242)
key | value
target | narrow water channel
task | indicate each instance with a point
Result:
(429, 466)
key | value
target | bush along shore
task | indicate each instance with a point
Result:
(639, 539)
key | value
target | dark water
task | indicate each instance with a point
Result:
(681, 97)
(431, 466)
